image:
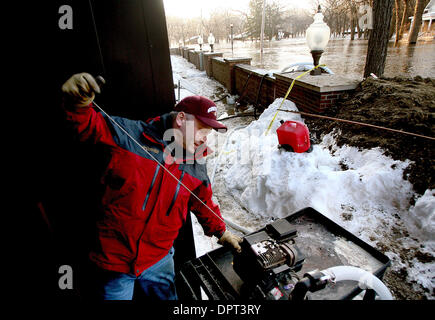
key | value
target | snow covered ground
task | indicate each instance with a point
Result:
(363, 191)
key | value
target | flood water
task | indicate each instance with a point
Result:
(342, 56)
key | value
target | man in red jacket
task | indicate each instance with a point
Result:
(150, 184)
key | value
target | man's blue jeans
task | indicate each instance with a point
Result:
(156, 282)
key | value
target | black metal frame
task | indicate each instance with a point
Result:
(207, 271)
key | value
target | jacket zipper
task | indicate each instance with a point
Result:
(176, 194)
(144, 205)
(150, 188)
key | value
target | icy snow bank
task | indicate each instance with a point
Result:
(363, 191)
(421, 218)
(276, 183)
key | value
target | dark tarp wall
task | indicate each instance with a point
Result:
(124, 41)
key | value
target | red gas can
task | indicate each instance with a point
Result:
(294, 136)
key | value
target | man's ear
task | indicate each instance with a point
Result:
(181, 116)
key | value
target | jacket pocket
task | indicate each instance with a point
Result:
(118, 179)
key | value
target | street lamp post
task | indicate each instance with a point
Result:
(200, 42)
(211, 40)
(232, 47)
(263, 19)
(318, 34)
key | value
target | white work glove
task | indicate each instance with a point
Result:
(229, 239)
(80, 89)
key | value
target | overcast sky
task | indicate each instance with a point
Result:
(192, 8)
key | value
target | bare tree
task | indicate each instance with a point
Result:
(416, 22)
(273, 18)
(397, 10)
(296, 21)
(353, 12)
(187, 30)
(367, 31)
(378, 39)
(342, 16)
(176, 30)
(404, 19)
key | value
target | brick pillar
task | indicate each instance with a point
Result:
(220, 71)
(183, 52)
(313, 94)
(190, 56)
(231, 62)
(186, 52)
(223, 71)
(193, 58)
(207, 62)
(197, 58)
(174, 51)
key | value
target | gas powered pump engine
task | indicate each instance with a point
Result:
(269, 262)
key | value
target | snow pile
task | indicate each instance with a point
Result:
(275, 183)
(421, 218)
(363, 191)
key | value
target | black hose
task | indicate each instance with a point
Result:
(258, 95)
(256, 103)
(227, 95)
(243, 90)
(244, 87)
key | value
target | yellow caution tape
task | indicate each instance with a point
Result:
(228, 152)
(288, 92)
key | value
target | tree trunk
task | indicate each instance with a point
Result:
(353, 19)
(358, 28)
(404, 18)
(378, 39)
(344, 23)
(416, 22)
(397, 6)
(352, 29)
(366, 33)
(392, 25)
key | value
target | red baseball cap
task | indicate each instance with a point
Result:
(203, 109)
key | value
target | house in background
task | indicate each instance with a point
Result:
(428, 17)
(427, 31)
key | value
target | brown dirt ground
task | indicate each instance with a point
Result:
(397, 103)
